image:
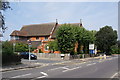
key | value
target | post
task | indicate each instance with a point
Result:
(29, 52)
(29, 43)
(14, 47)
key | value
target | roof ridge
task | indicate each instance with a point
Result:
(39, 24)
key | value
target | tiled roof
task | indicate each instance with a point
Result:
(35, 30)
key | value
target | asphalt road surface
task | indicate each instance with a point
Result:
(94, 68)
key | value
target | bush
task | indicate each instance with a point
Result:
(8, 56)
(115, 49)
(10, 59)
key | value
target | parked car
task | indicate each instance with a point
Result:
(25, 55)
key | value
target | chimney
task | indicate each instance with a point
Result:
(81, 23)
(56, 21)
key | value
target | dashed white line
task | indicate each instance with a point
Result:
(21, 75)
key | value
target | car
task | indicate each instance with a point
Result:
(25, 55)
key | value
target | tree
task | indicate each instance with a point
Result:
(66, 38)
(53, 46)
(4, 5)
(22, 47)
(105, 38)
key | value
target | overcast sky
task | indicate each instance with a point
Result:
(94, 15)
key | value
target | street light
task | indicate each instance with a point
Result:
(29, 45)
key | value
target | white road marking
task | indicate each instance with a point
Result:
(65, 68)
(45, 74)
(114, 75)
(41, 77)
(56, 68)
(21, 75)
(71, 69)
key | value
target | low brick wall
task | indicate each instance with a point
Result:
(58, 56)
(51, 56)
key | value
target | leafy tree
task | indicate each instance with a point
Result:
(105, 38)
(53, 46)
(115, 49)
(66, 38)
(22, 47)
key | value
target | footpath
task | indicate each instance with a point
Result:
(32, 64)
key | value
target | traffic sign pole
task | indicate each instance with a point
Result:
(29, 43)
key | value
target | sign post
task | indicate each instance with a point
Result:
(29, 45)
(91, 49)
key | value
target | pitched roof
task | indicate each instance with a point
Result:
(35, 30)
(38, 29)
(18, 33)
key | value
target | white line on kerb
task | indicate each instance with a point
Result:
(114, 75)
(21, 75)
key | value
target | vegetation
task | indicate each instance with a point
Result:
(66, 38)
(69, 35)
(115, 49)
(8, 56)
(53, 46)
(22, 47)
(105, 38)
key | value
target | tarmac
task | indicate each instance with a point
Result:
(29, 64)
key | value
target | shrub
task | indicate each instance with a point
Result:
(8, 56)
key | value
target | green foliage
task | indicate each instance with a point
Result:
(115, 49)
(68, 35)
(22, 47)
(105, 38)
(53, 45)
(8, 55)
(66, 38)
(7, 48)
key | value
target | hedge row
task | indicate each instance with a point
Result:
(7, 59)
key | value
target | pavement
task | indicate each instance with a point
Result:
(40, 63)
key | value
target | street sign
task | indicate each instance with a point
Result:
(91, 46)
(92, 51)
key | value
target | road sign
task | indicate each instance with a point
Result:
(92, 51)
(91, 46)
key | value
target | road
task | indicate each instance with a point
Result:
(94, 68)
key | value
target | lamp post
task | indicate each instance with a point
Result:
(29, 45)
